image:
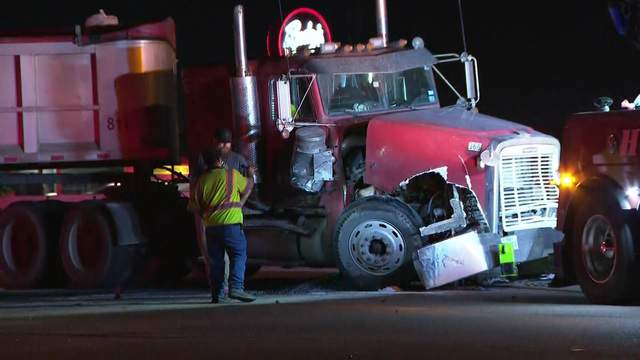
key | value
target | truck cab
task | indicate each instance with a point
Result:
(364, 169)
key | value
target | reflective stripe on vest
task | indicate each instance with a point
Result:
(226, 202)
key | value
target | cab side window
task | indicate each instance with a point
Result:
(301, 107)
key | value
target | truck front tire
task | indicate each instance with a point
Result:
(603, 252)
(374, 242)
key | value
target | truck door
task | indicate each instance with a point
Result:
(300, 109)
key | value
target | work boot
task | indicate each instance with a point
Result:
(218, 297)
(241, 295)
(220, 300)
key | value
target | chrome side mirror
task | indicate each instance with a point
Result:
(284, 121)
(471, 76)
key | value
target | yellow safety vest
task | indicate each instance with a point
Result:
(217, 196)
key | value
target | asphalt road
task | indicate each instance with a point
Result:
(302, 321)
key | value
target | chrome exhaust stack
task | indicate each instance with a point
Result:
(381, 21)
(240, 43)
(244, 97)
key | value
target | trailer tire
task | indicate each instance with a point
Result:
(374, 243)
(89, 252)
(603, 252)
(23, 246)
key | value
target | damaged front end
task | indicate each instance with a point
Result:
(456, 258)
(519, 201)
(460, 243)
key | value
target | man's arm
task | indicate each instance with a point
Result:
(244, 195)
(197, 168)
(193, 204)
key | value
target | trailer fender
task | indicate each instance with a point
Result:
(126, 222)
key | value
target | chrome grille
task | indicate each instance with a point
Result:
(528, 196)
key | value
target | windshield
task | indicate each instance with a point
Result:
(366, 92)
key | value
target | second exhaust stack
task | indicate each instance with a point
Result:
(240, 45)
(244, 97)
(381, 21)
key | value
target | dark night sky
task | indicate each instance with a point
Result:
(538, 60)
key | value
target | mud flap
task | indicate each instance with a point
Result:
(127, 227)
(456, 258)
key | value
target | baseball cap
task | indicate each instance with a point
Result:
(223, 135)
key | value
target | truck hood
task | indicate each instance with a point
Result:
(401, 145)
(457, 119)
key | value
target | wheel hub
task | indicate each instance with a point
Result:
(599, 248)
(377, 247)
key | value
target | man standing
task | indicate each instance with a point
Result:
(222, 143)
(218, 198)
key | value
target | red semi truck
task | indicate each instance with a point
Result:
(359, 164)
(599, 204)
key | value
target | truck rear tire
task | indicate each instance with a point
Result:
(23, 246)
(374, 242)
(603, 252)
(90, 255)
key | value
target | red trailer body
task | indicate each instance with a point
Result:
(85, 118)
(69, 99)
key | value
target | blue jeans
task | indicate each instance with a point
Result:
(229, 238)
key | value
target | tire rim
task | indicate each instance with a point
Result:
(377, 247)
(19, 244)
(86, 246)
(599, 245)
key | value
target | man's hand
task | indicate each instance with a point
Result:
(251, 171)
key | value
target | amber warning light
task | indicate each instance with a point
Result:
(565, 180)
